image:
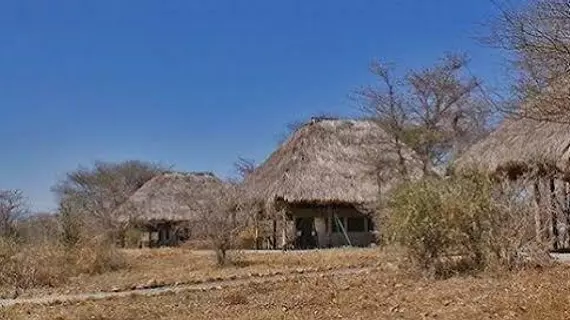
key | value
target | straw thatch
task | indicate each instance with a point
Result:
(521, 145)
(172, 197)
(327, 161)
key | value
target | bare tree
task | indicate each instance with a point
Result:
(221, 220)
(536, 37)
(253, 212)
(95, 193)
(13, 206)
(244, 167)
(436, 111)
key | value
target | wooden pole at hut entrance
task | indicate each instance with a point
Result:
(567, 211)
(329, 225)
(537, 214)
(275, 231)
(256, 229)
(271, 212)
(553, 214)
(284, 229)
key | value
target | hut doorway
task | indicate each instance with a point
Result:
(306, 235)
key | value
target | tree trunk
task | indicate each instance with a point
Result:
(221, 256)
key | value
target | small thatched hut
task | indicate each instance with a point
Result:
(539, 152)
(324, 181)
(165, 206)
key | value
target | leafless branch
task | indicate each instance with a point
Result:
(13, 206)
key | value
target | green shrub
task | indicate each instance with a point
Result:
(462, 224)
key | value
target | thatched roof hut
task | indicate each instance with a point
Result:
(172, 197)
(327, 161)
(519, 146)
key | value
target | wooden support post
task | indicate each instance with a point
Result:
(538, 212)
(567, 212)
(256, 230)
(270, 212)
(553, 214)
(341, 226)
(284, 229)
(329, 226)
(274, 242)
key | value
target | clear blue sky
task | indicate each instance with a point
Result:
(196, 84)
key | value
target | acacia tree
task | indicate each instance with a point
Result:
(13, 206)
(435, 111)
(94, 194)
(536, 37)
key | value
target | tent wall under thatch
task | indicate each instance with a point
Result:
(325, 173)
(330, 226)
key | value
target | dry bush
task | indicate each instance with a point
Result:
(38, 228)
(132, 237)
(464, 224)
(246, 238)
(197, 244)
(50, 263)
(35, 265)
(98, 256)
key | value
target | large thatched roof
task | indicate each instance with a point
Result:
(326, 161)
(172, 197)
(519, 145)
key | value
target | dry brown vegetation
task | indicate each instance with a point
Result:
(388, 293)
(49, 264)
(176, 265)
(465, 224)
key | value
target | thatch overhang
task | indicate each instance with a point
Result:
(172, 197)
(328, 161)
(520, 146)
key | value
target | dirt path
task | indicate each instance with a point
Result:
(214, 285)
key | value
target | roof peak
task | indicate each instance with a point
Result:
(191, 173)
(327, 119)
(316, 119)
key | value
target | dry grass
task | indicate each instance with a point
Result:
(49, 264)
(387, 294)
(177, 265)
